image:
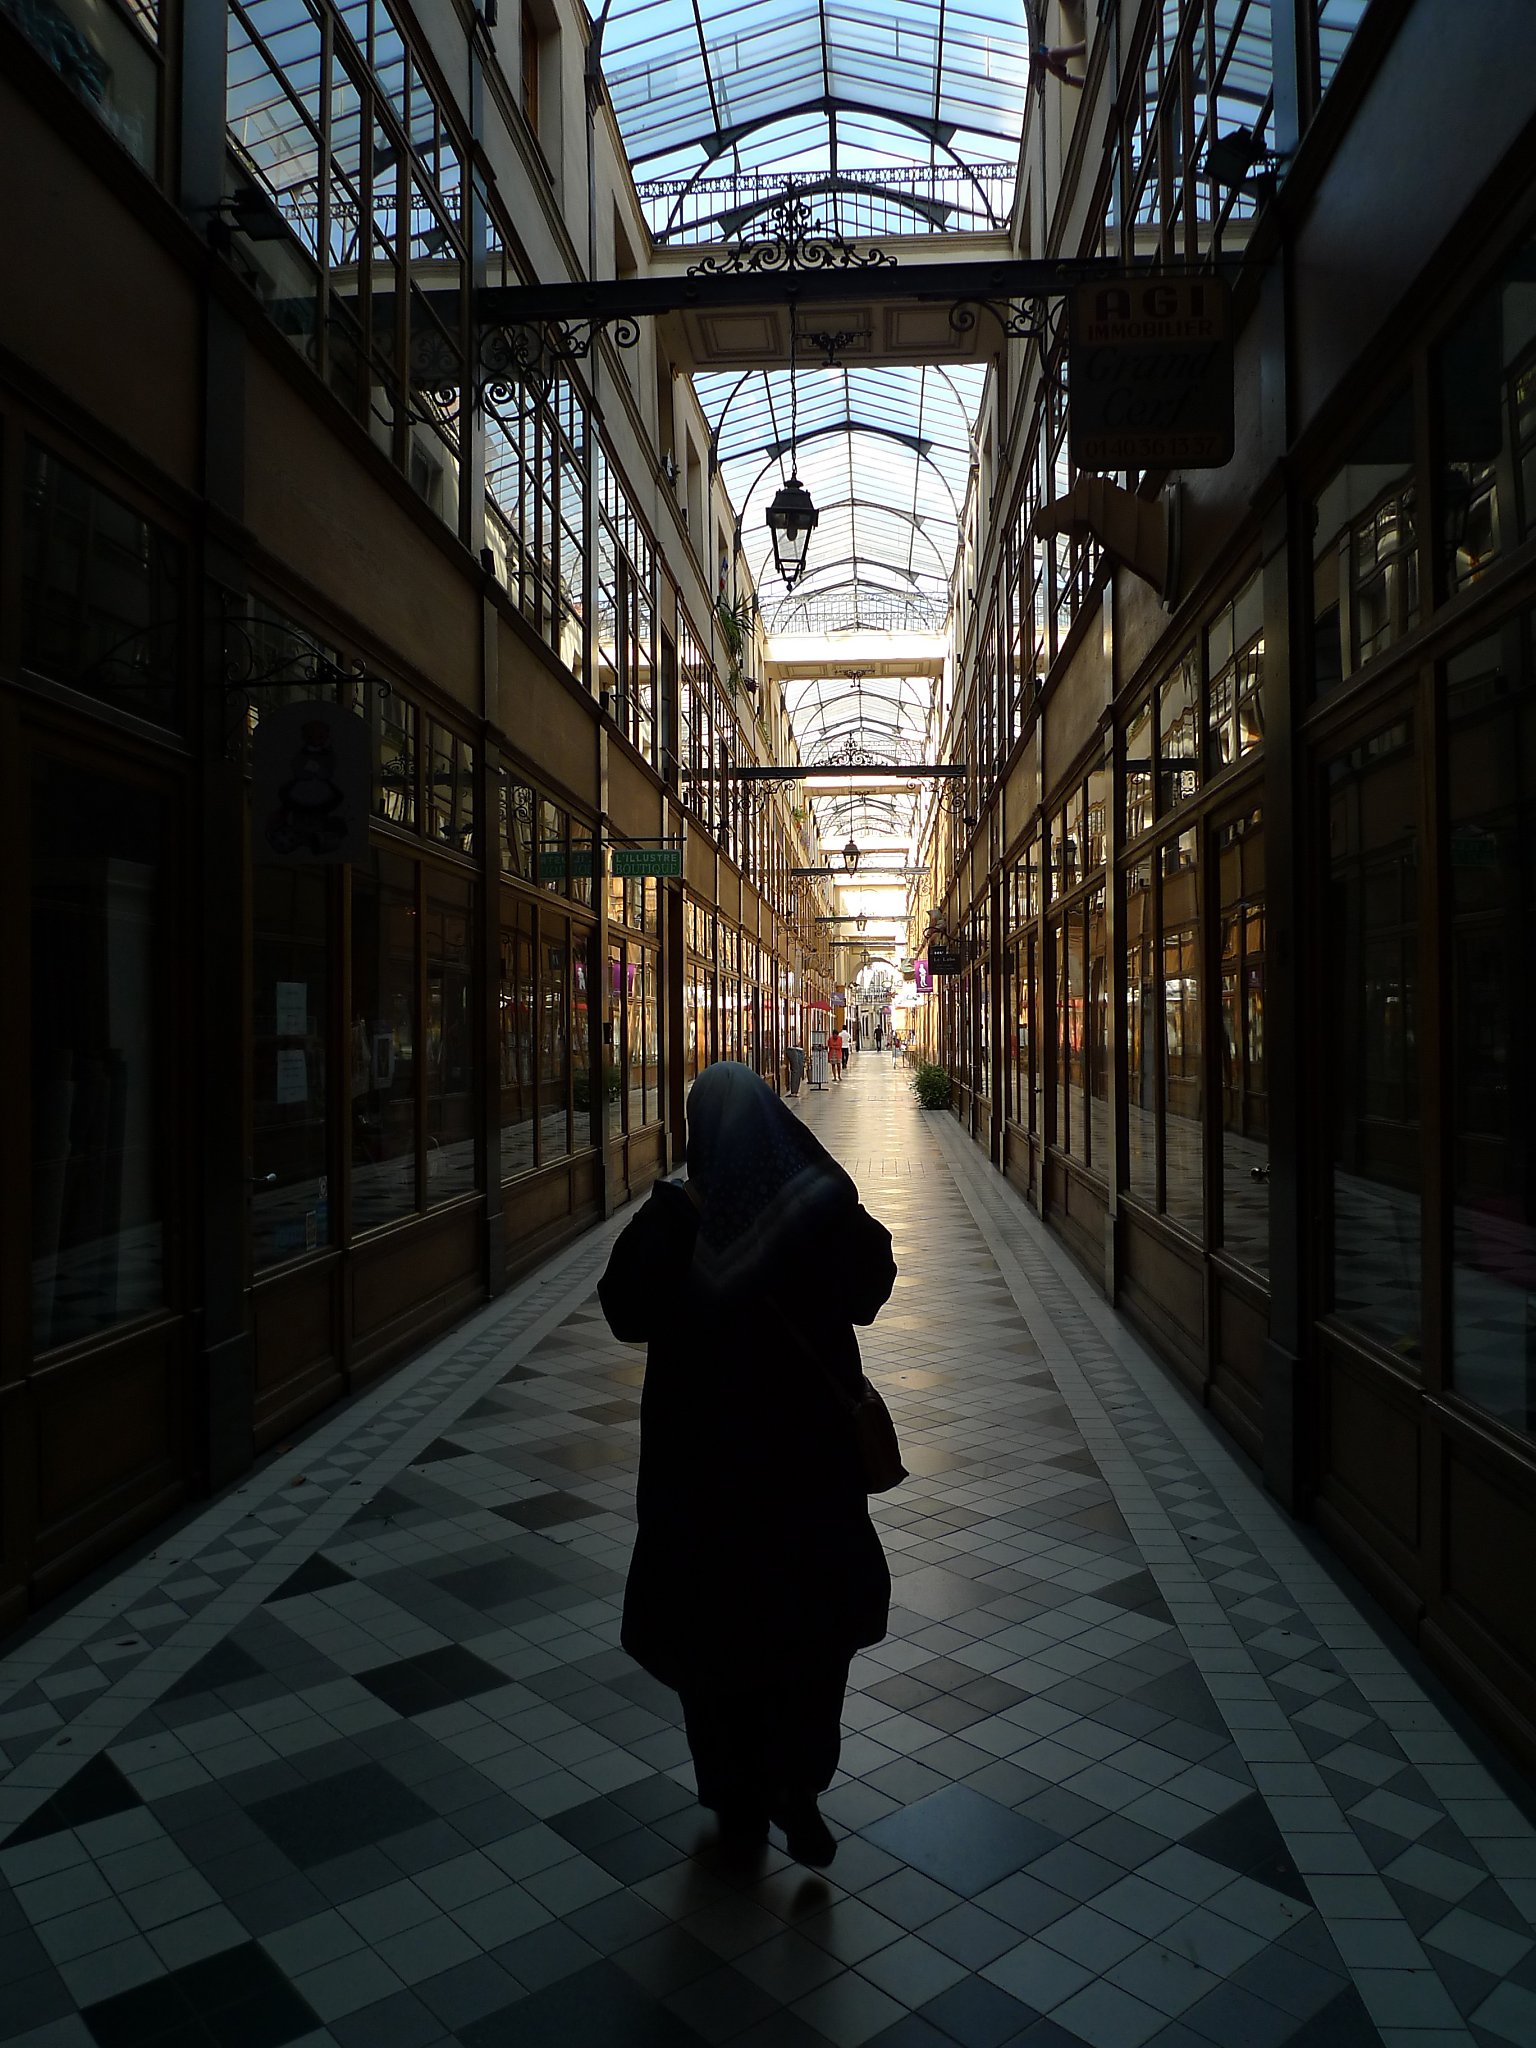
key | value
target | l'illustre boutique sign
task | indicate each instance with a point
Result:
(1149, 375)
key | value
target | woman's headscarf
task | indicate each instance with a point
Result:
(765, 1185)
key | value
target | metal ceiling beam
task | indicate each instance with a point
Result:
(890, 771)
(605, 300)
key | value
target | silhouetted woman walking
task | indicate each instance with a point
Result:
(757, 1571)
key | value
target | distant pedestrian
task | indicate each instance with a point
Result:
(837, 1058)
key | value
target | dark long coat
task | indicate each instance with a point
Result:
(755, 1549)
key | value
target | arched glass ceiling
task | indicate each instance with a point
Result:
(885, 452)
(812, 86)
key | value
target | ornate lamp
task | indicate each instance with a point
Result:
(791, 520)
(861, 922)
(851, 855)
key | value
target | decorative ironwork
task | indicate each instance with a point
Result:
(253, 657)
(539, 352)
(795, 240)
(1020, 319)
(831, 345)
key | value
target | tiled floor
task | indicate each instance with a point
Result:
(355, 1758)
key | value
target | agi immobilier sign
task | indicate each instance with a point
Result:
(1149, 376)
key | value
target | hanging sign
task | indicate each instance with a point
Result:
(311, 784)
(944, 956)
(1149, 374)
(921, 976)
(647, 860)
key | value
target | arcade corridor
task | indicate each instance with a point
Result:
(352, 1756)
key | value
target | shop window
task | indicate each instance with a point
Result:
(1071, 1127)
(450, 1037)
(554, 1037)
(101, 593)
(1178, 737)
(581, 862)
(1235, 666)
(397, 726)
(587, 1123)
(1244, 1085)
(291, 1208)
(1491, 709)
(516, 1041)
(1141, 1029)
(1365, 561)
(519, 831)
(450, 789)
(1183, 1038)
(106, 51)
(554, 853)
(103, 1123)
(618, 1053)
(385, 1033)
(1483, 375)
(1097, 1031)
(1371, 999)
(1138, 772)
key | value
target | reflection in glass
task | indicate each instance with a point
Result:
(1098, 1032)
(515, 1034)
(1491, 702)
(1138, 772)
(1370, 966)
(1141, 1030)
(519, 855)
(1183, 1041)
(1244, 1090)
(450, 1038)
(101, 1134)
(397, 758)
(587, 1122)
(1178, 736)
(290, 1078)
(1480, 369)
(1365, 561)
(554, 1040)
(100, 592)
(383, 1040)
(1235, 665)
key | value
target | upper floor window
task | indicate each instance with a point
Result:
(108, 51)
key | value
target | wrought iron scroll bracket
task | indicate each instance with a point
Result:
(794, 240)
(540, 352)
(1019, 319)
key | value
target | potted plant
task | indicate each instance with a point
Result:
(735, 625)
(930, 1084)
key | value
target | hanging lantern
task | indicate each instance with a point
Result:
(791, 519)
(851, 856)
(861, 922)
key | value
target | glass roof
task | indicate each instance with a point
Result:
(885, 452)
(890, 119)
(810, 86)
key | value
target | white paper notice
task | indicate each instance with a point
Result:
(292, 1078)
(292, 1010)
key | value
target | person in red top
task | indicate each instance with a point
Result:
(835, 1055)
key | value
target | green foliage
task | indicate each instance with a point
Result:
(930, 1084)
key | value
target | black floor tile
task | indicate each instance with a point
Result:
(496, 1584)
(93, 1793)
(599, 2004)
(1344, 2023)
(228, 1664)
(596, 1820)
(143, 2014)
(961, 1839)
(1246, 1839)
(315, 1824)
(36, 2000)
(977, 2014)
(549, 1510)
(1183, 1695)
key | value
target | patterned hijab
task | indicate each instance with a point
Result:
(765, 1187)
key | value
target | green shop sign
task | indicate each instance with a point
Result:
(554, 867)
(647, 860)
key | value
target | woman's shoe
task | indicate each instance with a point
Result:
(806, 1834)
